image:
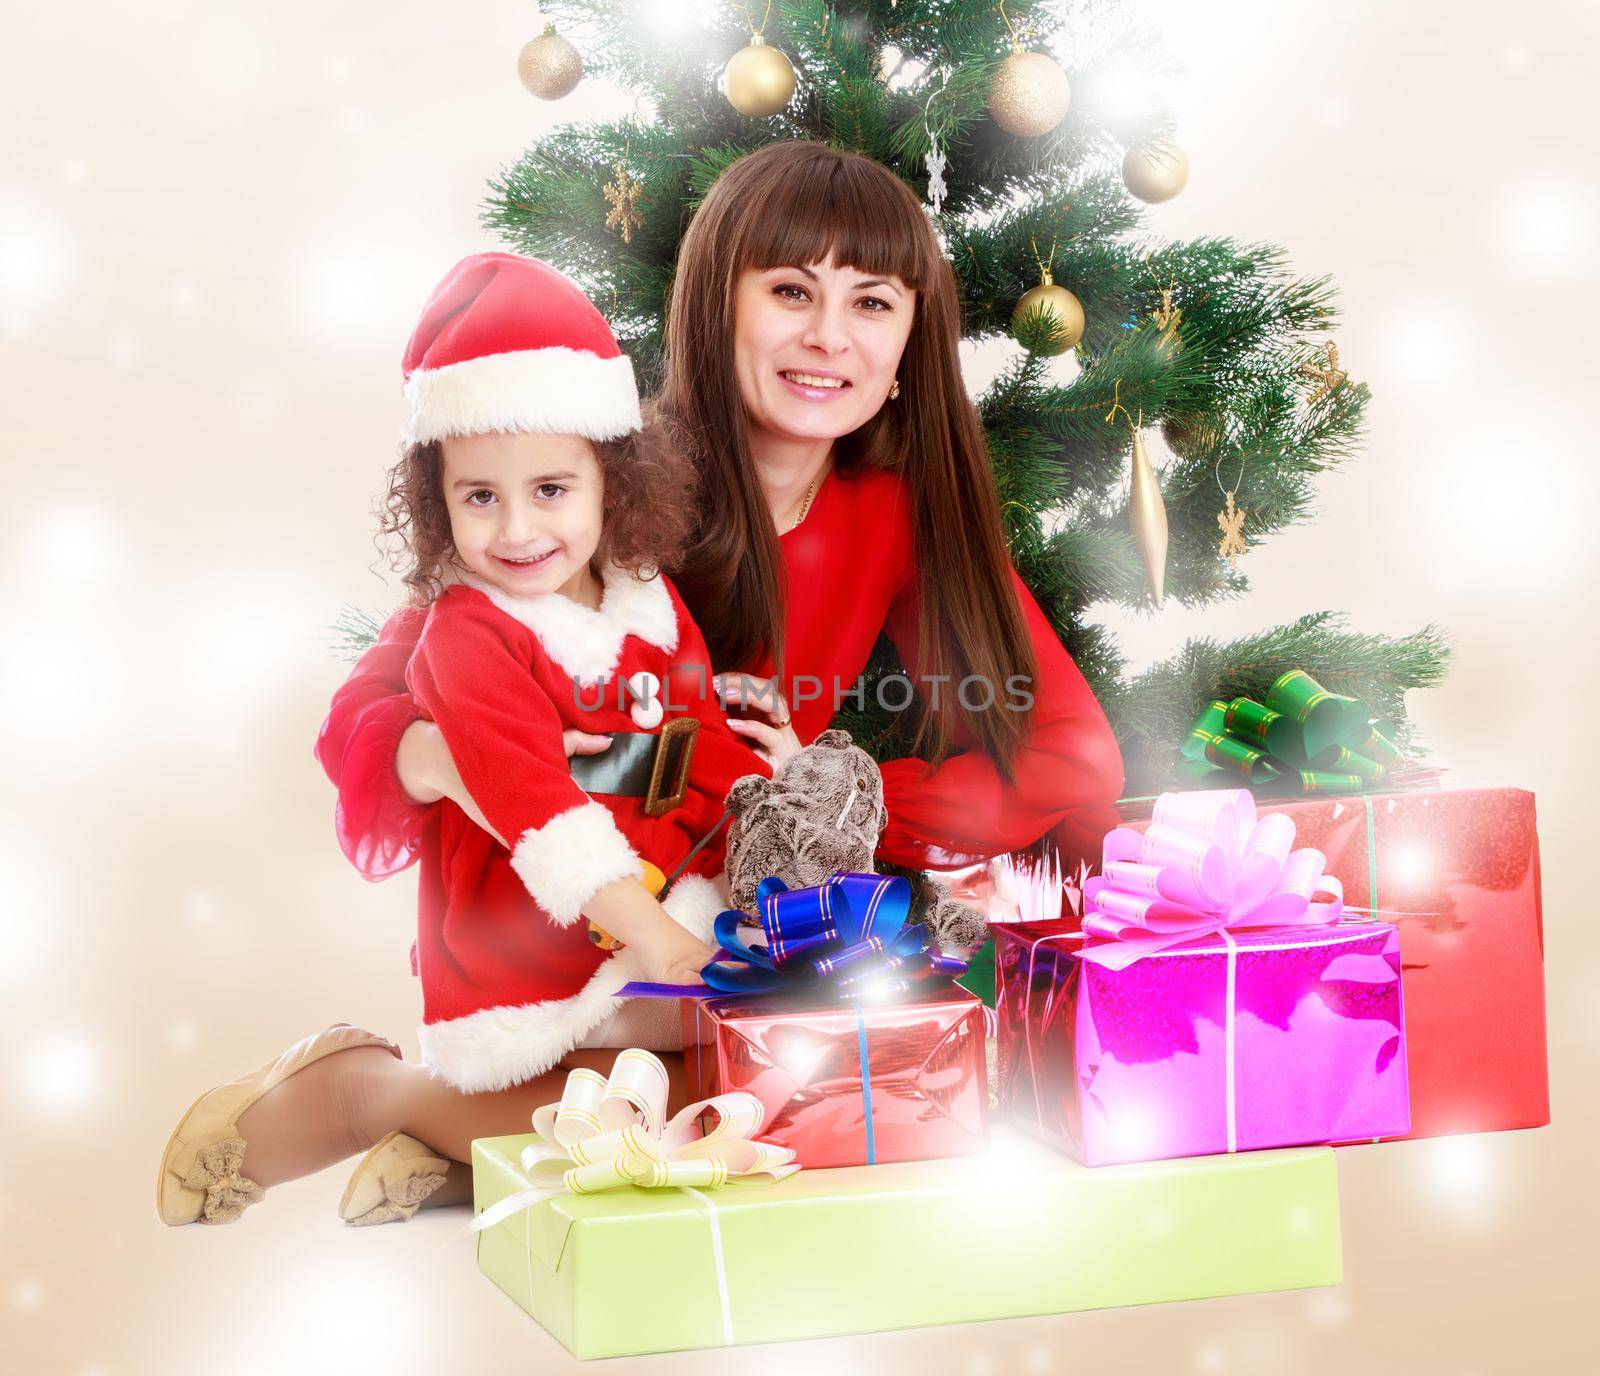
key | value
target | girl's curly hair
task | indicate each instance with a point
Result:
(647, 509)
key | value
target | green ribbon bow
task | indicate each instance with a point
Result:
(1304, 739)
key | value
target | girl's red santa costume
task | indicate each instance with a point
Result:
(511, 981)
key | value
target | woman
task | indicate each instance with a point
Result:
(813, 374)
(830, 513)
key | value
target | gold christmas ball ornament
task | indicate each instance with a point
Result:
(1191, 437)
(1029, 94)
(758, 80)
(1060, 307)
(549, 65)
(1155, 172)
(1147, 514)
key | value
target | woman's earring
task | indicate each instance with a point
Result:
(894, 390)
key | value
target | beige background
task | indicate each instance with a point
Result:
(216, 225)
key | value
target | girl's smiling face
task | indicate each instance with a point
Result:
(815, 348)
(525, 511)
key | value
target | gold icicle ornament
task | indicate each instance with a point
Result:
(1147, 514)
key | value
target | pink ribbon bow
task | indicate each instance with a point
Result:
(1206, 864)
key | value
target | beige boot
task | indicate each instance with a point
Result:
(199, 1180)
(392, 1181)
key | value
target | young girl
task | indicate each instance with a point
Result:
(535, 516)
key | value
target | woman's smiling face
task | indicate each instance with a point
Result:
(816, 348)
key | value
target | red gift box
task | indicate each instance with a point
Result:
(1457, 871)
(923, 1093)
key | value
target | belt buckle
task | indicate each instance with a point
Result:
(655, 802)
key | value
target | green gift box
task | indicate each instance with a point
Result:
(1023, 1230)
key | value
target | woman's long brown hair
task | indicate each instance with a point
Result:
(794, 204)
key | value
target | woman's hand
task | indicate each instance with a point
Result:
(576, 742)
(776, 742)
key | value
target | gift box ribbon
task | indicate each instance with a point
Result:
(1206, 864)
(1302, 739)
(608, 1133)
(845, 939)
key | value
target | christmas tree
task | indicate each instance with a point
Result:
(1217, 343)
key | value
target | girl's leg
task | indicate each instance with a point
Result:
(344, 1103)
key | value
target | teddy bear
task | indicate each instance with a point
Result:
(822, 811)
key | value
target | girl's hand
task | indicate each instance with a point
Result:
(671, 955)
(664, 951)
(776, 742)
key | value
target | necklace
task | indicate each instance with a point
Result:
(805, 507)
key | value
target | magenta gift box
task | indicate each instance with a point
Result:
(1296, 1036)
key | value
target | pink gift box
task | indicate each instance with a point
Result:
(1293, 1035)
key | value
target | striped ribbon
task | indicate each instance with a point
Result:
(609, 1133)
(1302, 739)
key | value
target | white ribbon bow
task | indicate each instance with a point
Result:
(609, 1133)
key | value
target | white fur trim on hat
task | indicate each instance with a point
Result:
(572, 856)
(554, 391)
(585, 641)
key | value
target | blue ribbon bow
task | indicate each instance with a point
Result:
(847, 938)
(848, 935)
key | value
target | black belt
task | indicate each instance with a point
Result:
(638, 764)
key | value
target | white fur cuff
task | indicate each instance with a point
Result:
(694, 902)
(572, 856)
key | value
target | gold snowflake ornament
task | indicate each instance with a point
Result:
(623, 194)
(1329, 376)
(1231, 519)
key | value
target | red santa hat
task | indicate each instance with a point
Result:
(507, 343)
